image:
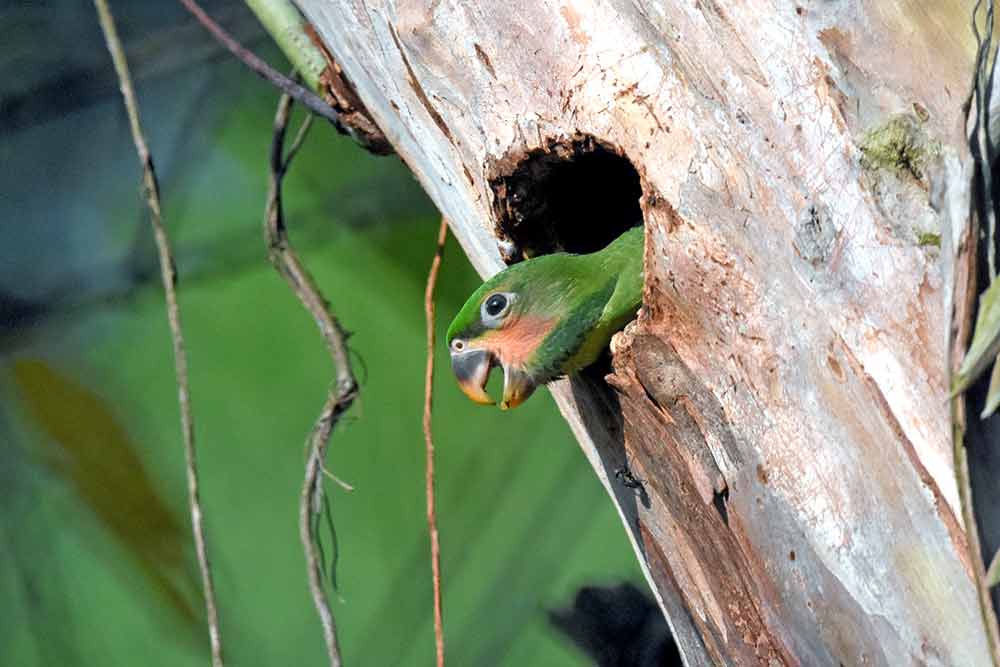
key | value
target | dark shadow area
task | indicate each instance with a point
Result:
(618, 626)
(575, 195)
(982, 438)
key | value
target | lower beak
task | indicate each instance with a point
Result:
(472, 370)
(517, 387)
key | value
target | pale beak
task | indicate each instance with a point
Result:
(472, 370)
(517, 387)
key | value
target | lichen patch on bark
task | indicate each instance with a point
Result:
(900, 145)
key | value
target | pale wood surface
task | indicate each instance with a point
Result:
(783, 391)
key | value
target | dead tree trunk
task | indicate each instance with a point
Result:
(782, 394)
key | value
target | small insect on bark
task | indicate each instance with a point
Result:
(625, 476)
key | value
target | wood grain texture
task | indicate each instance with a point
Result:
(782, 392)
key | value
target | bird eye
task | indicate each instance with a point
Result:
(495, 304)
(495, 307)
(458, 345)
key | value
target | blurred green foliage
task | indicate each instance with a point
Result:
(523, 520)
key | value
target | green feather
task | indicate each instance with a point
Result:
(591, 296)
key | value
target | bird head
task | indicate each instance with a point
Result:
(545, 317)
(503, 324)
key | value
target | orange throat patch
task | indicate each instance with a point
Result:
(514, 343)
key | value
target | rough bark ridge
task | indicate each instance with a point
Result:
(782, 393)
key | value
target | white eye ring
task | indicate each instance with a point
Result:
(495, 307)
(457, 345)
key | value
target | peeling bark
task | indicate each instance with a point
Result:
(339, 94)
(782, 394)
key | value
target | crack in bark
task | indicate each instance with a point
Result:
(944, 511)
(419, 91)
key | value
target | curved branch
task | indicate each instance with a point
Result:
(345, 388)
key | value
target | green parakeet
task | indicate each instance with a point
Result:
(545, 317)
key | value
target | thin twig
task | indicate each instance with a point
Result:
(345, 389)
(303, 95)
(310, 505)
(429, 444)
(336, 480)
(168, 273)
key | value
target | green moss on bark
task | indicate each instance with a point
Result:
(899, 145)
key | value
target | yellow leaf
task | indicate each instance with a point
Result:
(95, 456)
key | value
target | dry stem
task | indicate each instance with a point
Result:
(303, 95)
(429, 444)
(345, 389)
(168, 273)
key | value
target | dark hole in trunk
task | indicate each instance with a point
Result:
(576, 195)
(719, 500)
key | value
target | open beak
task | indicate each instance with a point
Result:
(472, 370)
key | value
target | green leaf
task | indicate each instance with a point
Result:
(993, 395)
(985, 340)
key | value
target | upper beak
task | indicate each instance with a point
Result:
(472, 370)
